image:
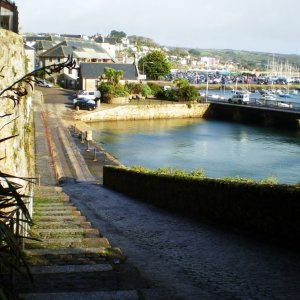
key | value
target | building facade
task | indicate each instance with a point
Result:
(9, 16)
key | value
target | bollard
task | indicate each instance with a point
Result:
(89, 137)
(95, 156)
(88, 146)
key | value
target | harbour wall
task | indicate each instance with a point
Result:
(151, 111)
(265, 116)
(237, 113)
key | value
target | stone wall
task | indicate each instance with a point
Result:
(135, 112)
(15, 120)
(266, 210)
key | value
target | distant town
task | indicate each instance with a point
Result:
(121, 50)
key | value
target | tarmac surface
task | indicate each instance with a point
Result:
(177, 257)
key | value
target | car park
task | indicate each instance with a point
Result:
(85, 104)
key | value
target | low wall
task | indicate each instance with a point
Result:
(137, 112)
(272, 210)
(265, 116)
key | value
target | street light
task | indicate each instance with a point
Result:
(144, 63)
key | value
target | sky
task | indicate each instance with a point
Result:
(271, 26)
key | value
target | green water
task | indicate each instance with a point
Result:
(220, 148)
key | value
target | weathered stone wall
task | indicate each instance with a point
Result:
(135, 112)
(16, 152)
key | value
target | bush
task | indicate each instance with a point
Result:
(146, 90)
(188, 93)
(139, 88)
(109, 91)
(155, 88)
(120, 90)
(171, 95)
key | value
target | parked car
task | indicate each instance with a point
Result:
(239, 99)
(44, 83)
(92, 95)
(85, 104)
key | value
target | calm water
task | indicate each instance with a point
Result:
(220, 148)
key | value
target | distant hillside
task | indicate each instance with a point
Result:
(248, 58)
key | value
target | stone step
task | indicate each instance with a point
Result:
(70, 268)
(38, 219)
(63, 224)
(72, 256)
(75, 251)
(60, 212)
(63, 232)
(48, 188)
(52, 199)
(49, 193)
(52, 207)
(103, 295)
(67, 242)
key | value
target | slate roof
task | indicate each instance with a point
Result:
(45, 45)
(78, 49)
(35, 38)
(94, 70)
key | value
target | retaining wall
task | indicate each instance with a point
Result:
(137, 112)
(271, 210)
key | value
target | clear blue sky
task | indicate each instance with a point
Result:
(258, 25)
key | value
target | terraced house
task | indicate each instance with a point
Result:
(9, 17)
(81, 51)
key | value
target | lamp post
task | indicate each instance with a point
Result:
(206, 94)
(144, 63)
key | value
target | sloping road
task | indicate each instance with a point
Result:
(180, 259)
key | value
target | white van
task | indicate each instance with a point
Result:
(90, 95)
(239, 99)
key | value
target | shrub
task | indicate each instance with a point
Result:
(269, 180)
(188, 93)
(120, 91)
(155, 88)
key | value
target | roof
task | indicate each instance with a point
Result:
(78, 49)
(45, 45)
(94, 70)
(109, 40)
(10, 5)
(35, 38)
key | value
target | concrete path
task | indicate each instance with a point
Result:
(71, 259)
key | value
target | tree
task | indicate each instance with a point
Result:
(112, 76)
(118, 35)
(178, 52)
(154, 65)
(181, 82)
(110, 86)
(142, 41)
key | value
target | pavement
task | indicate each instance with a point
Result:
(71, 259)
(167, 256)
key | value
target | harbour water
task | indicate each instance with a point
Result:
(220, 148)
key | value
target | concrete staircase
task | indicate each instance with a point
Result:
(68, 258)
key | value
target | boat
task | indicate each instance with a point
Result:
(285, 95)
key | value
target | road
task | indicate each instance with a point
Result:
(179, 258)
